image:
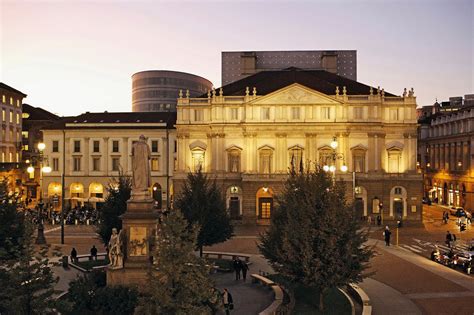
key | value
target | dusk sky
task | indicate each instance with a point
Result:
(77, 56)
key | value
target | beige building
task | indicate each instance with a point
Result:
(249, 133)
(92, 148)
(446, 154)
(10, 142)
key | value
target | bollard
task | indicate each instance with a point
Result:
(75, 222)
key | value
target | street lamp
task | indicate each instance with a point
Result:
(40, 239)
(334, 157)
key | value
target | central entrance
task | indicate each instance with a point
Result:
(264, 204)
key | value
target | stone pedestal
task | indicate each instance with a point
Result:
(139, 224)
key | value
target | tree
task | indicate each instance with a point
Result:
(11, 227)
(178, 280)
(315, 237)
(202, 203)
(26, 278)
(115, 205)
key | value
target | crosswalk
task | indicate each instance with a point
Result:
(424, 248)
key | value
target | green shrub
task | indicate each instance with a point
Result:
(88, 294)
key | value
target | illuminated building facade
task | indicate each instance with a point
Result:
(10, 140)
(249, 133)
(91, 149)
(446, 154)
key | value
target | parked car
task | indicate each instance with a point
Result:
(454, 210)
(460, 212)
(463, 256)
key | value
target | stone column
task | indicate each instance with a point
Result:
(106, 156)
(86, 156)
(125, 156)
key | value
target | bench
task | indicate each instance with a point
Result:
(277, 291)
(361, 297)
(221, 255)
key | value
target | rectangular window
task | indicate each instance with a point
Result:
(115, 164)
(393, 114)
(359, 162)
(11, 136)
(266, 113)
(96, 164)
(17, 155)
(358, 113)
(115, 146)
(234, 113)
(77, 164)
(155, 165)
(11, 116)
(198, 115)
(4, 99)
(55, 146)
(175, 164)
(325, 112)
(17, 103)
(18, 119)
(96, 146)
(24, 134)
(11, 100)
(154, 146)
(55, 164)
(175, 146)
(77, 146)
(25, 147)
(295, 113)
(10, 157)
(4, 115)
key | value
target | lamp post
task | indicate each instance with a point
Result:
(334, 157)
(40, 239)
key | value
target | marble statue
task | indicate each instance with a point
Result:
(116, 250)
(141, 180)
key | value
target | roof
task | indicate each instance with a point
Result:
(119, 118)
(320, 80)
(37, 113)
(9, 88)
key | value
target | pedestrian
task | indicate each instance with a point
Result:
(73, 255)
(245, 268)
(228, 302)
(379, 220)
(94, 252)
(386, 235)
(237, 268)
(449, 239)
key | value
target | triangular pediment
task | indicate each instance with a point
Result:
(295, 94)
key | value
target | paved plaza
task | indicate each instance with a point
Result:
(405, 280)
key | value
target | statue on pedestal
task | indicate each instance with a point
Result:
(116, 250)
(141, 180)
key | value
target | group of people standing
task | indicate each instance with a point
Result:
(240, 266)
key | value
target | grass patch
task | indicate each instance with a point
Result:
(89, 264)
(307, 299)
(224, 264)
